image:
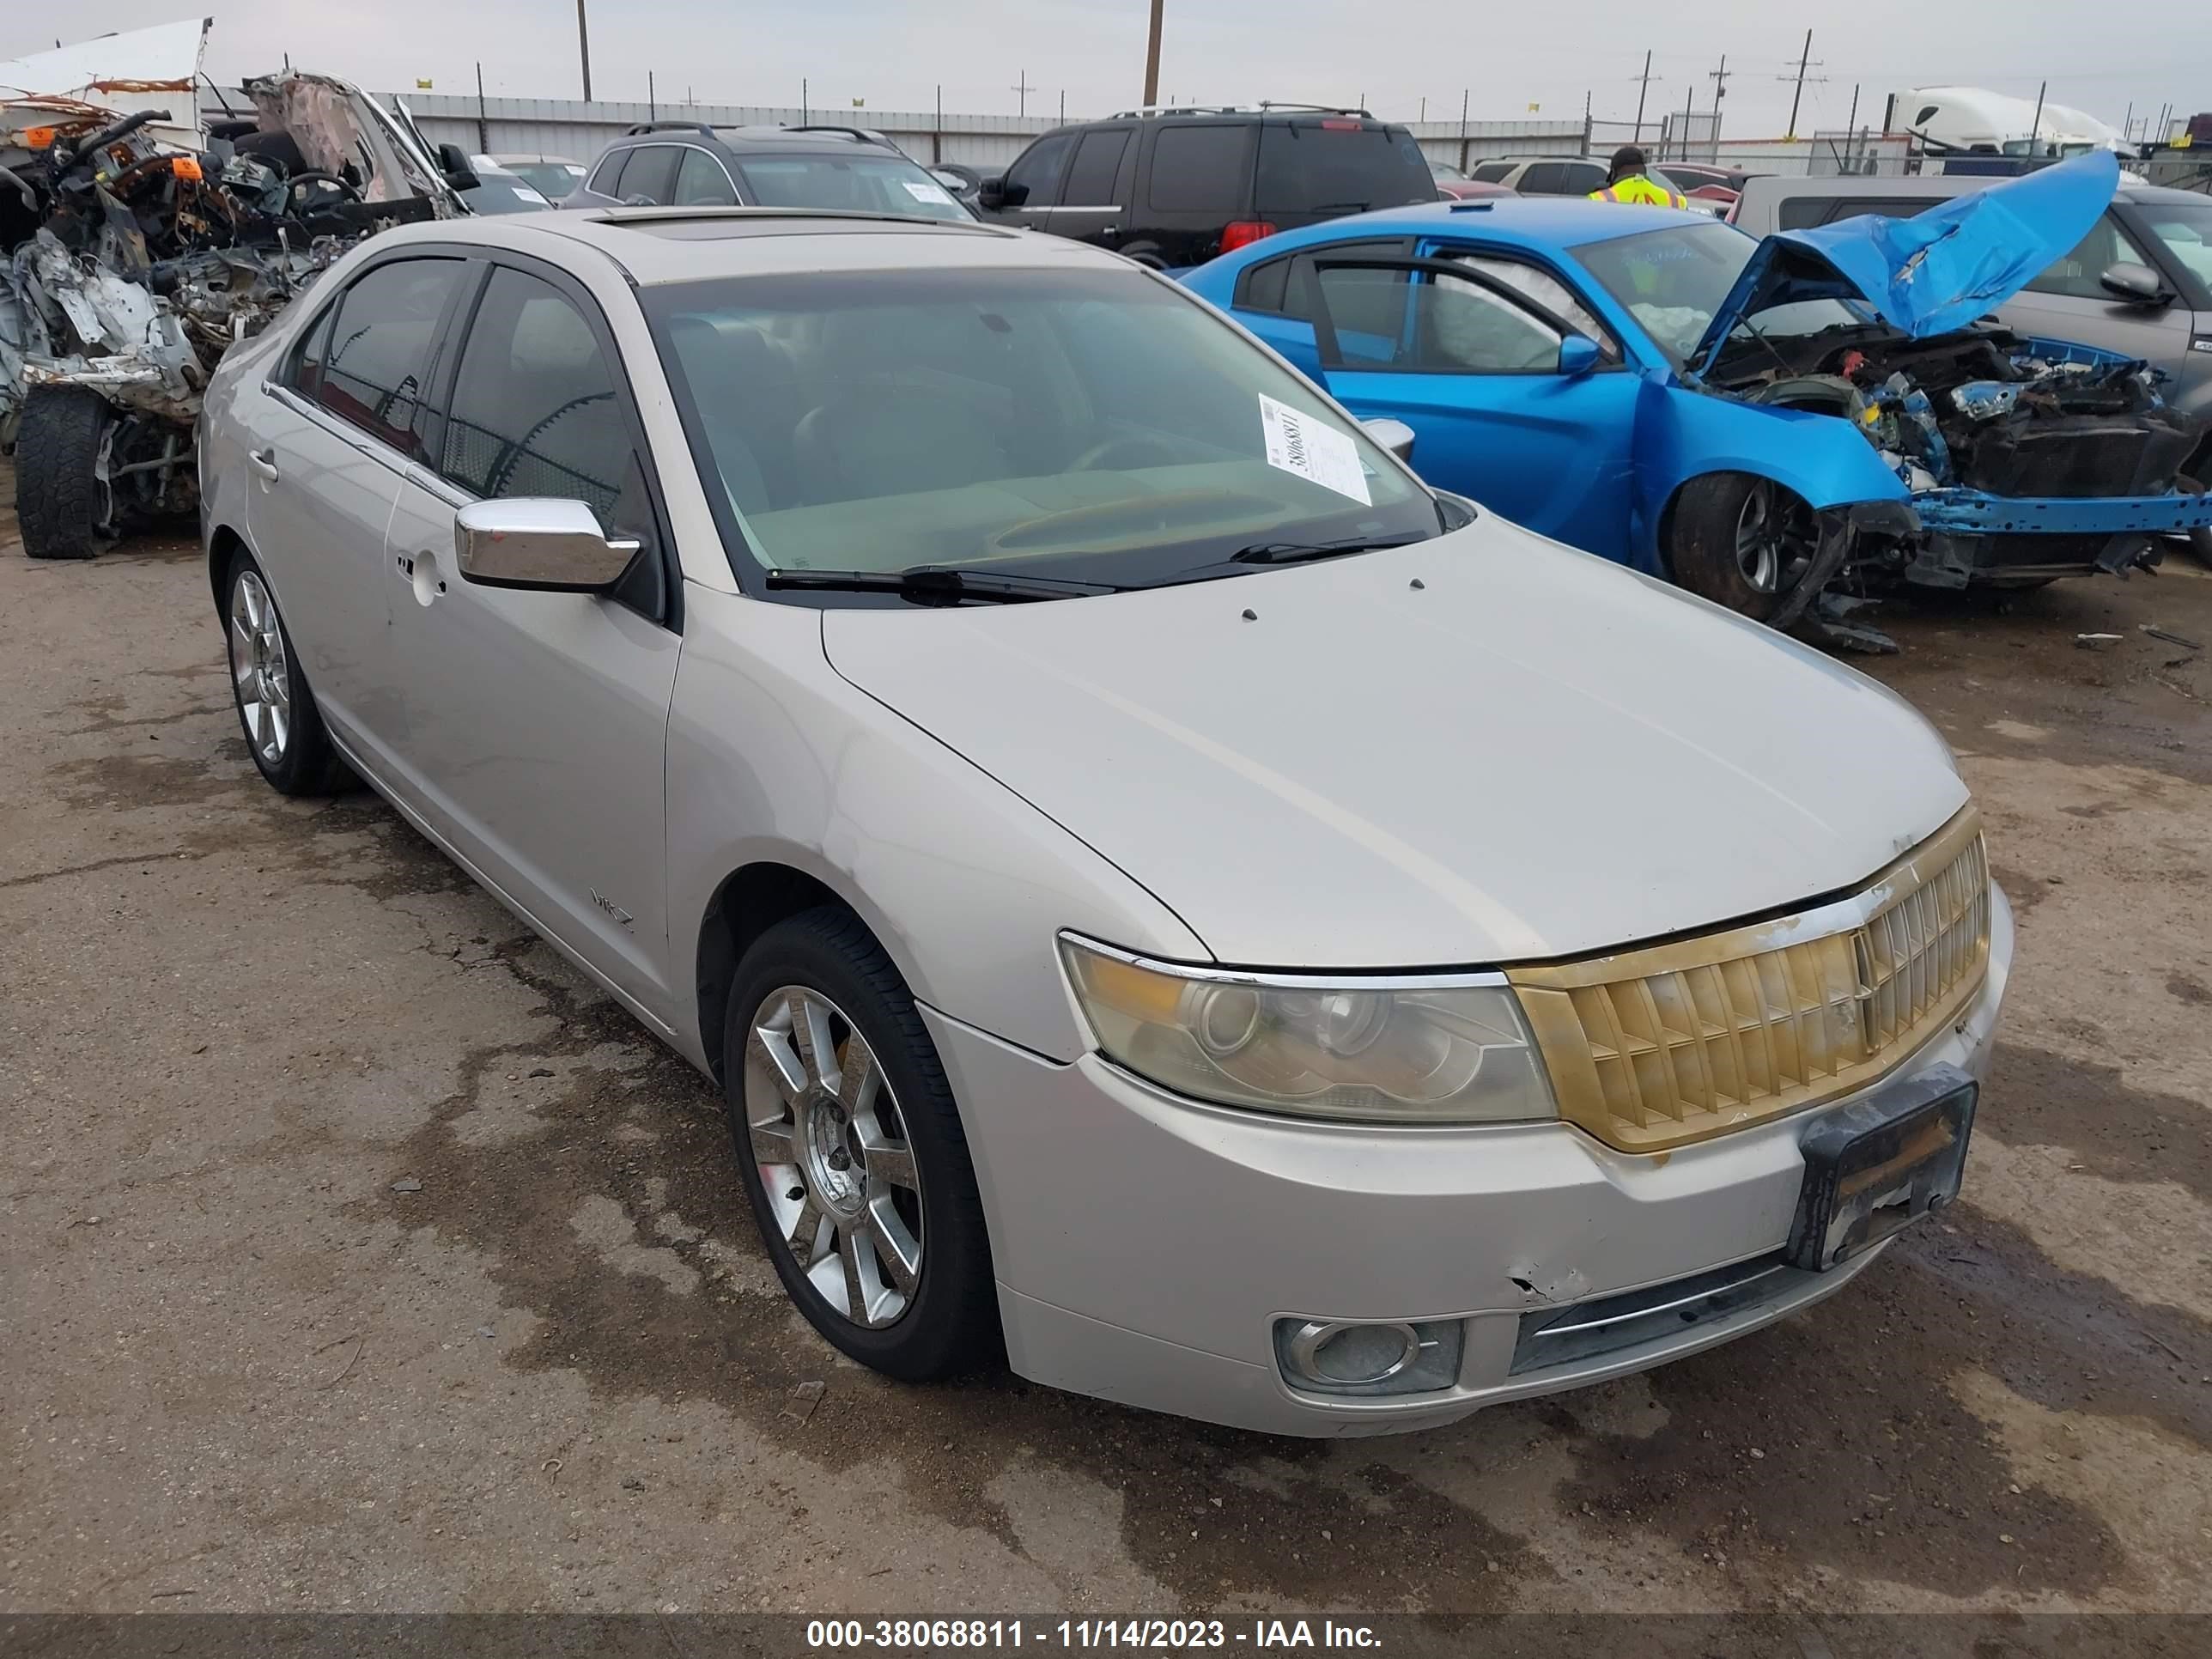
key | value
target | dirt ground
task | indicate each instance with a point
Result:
(358, 1256)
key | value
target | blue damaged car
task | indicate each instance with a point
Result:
(1762, 422)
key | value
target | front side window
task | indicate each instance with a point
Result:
(2077, 275)
(2184, 230)
(700, 182)
(651, 174)
(1439, 323)
(1674, 282)
(1037, 171)
(1547, 291)
(1097, 159)
(375, 369)
(1093, 425)
(866, 182)
(534, 410)
(1203, 168)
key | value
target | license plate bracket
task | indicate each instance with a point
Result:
(1874, 1167)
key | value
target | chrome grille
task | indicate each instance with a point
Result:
(1658, 1047)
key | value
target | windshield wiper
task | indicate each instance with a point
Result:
(927, 584)
(1298, 552)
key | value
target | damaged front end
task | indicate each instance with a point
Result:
(129, 264)
(2022, 460)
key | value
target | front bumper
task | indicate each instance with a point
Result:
(1145, 1245)
(1976, 513)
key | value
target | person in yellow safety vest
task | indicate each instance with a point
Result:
(1627, 181)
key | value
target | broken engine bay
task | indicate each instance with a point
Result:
(128, 265)
(1982, 409)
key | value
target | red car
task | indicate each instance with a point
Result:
(1457, 186)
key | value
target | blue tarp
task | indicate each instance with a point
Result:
(1934, 272)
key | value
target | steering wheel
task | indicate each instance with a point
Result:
(294, 184)
(1096, 458)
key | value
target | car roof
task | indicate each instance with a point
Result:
(1535, 222)
(654, 245)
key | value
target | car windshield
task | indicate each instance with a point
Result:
(866, 183)
(1094, 426)
(2185, 228)
(503, 192)
(1673, 281)
(551, 179)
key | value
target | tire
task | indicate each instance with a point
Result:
(1710, 528)
(292, 752)
(65, 510)
(791, 1123)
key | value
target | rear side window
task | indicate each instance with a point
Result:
(700, 182)
(1203, 168)
(375, 369)
(1336, 167)
(1097, 159)
(1277, 285)
(1038, 169)
(1491, 172)
(651, 174)
(1803, 212)
(1562, 179)
(534, 410)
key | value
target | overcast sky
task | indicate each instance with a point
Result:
(1507, 56)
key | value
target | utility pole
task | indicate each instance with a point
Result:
(1852, 124)
(584, 48)
(1643, 90)
(1424, 111)
(803, 100)
(1804, 61)
(1586, 120)
(2128, 123)
(1063, 108)
(652, 98)
(2035, 126)
(483, 127)
(1153, 59)
(1688, 91)
(1022, 88)
(1463, 92)
(1719, 77)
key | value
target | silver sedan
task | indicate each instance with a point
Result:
(1170, 899)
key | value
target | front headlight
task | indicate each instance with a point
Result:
(1426, 1050)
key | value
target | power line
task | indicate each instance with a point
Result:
(1804, 62)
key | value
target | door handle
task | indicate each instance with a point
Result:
(263, 461)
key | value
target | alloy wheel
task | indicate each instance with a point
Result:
(835, 1166)
(260, 668)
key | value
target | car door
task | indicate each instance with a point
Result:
(1090, 208)
(328, 443)
(1475, 366)
(1272, 298)
(536, 720)
(651, 174)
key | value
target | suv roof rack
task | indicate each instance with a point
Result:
(858, 135)
(1265, 107)
(668, 126)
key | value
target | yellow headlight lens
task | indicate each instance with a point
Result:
(1404, 1051)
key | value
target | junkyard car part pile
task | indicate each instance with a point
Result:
(132, 263)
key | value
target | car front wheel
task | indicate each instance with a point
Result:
(284, 730)
(1741, 541)
(853, 1153)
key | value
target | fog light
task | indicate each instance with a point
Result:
(1350, 1357)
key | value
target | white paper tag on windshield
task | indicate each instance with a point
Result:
(923, 192)
(1314, 449)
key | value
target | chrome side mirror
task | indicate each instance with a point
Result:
(536, 542)
(1394, 435)
(2137, 285)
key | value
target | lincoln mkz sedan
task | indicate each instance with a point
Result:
(1169, 898)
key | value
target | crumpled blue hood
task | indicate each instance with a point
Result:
(1930, 274)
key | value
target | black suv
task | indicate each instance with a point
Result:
(1173, 187)
(685, 164)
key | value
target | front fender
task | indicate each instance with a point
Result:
(1682, 433)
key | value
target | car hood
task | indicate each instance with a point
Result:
(1932, 273)
(1485, 747)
